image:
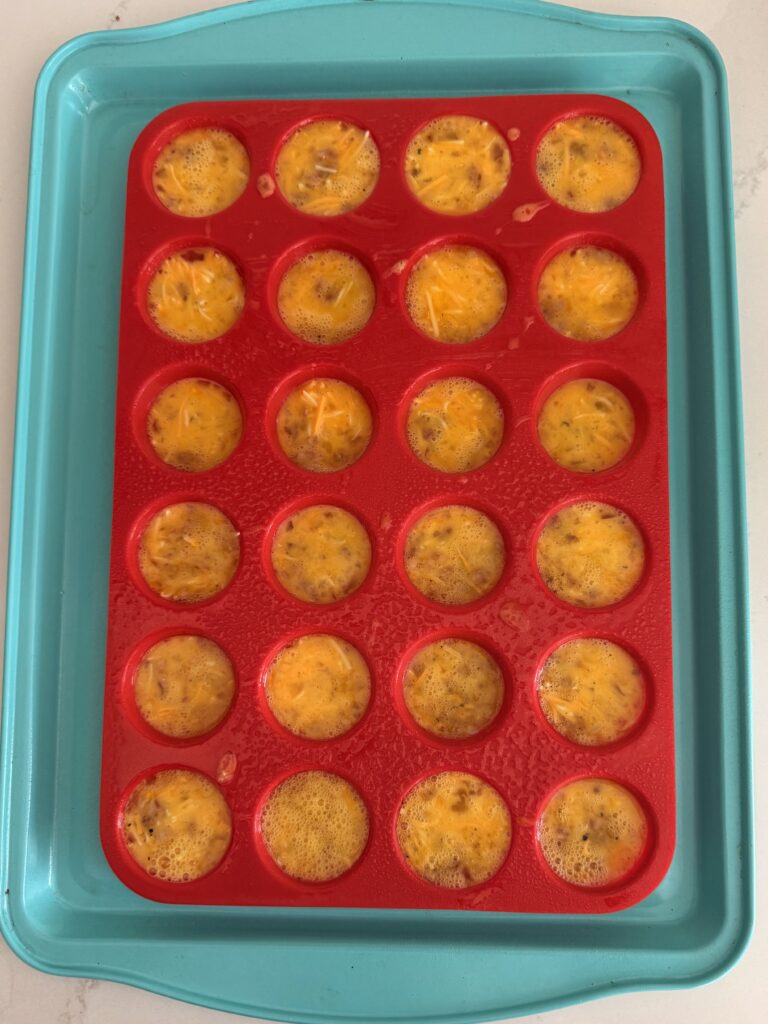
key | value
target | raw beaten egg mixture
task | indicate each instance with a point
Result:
(327, 168)
(184, 686)
(586, 426)
(326, 297)
(454, 830)
(457, 165)
(454, 555)
(456, 294)
(453, 689)
(194, 424)
(321, 554)
(318, 687)
(324, 425)
(196, 295)
(593, 832)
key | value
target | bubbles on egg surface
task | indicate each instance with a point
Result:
(453, 688)
(188, 552)
(593, 832)
(314, 826)
(591, 691)
(201, 172)
(326, 297)
(177, 825)
(455, 425)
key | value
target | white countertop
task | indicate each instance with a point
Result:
(32, 29)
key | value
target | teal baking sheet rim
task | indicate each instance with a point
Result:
(62, 910)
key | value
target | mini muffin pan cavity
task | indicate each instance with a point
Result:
(389, 619)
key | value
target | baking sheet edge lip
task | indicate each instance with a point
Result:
(252, 9)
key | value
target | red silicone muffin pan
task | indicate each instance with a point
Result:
(520, 622)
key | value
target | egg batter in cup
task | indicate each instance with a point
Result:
(590, 554)
(454, 555)
(453, 688)
(591, 691)
(326, 297)
(201, 172)
(196, 295)
(588, 293)
(318, 687)
(454, 830)
(188, 552)
(588, 164)
(586, 426)
(321, 554)
(184, 686)
(327, 168)
(456, 294)
(455, 425)
(324, 425)
(593, 833)
(176, 825)
(194, 424)
(457, 165)
(314, 826)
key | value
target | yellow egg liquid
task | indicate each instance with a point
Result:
(454, 830)
(588, 164)
(321, 554)
(326, 297)
(318, 687)
(457, 165)
(586, 426)
(590, 554)
(591, 691)
(327, 168)
(587, 293)
(177, 825)
(455, 425)
(183, 686)
(194, 424)
(592, 832)
(315, 826)
(453, 689)
(188, 552)
(201, 172)
(196, 295)
(456, 294)
(454, 555)
(324, 425)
